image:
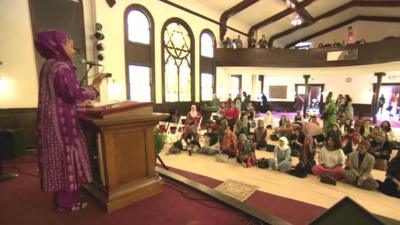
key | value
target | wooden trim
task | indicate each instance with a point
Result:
(334, 12)
(276, 17)
(199, 15)
(208, 31)
(231, 12)
(128, 43)
(192, 55)
(344, 23)
(252, 212)
(370, 53)
(302, 11)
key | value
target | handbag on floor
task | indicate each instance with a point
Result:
(262, 163)
(222, 158)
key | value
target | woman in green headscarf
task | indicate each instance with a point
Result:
(329, 115)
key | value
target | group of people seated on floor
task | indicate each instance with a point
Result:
(347, 151)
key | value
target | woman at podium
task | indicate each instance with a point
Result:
(62, 151)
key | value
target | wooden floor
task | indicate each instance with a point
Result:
(309, 189)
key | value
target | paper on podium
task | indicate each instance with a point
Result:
(119, 109)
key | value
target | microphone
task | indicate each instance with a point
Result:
(90, 63)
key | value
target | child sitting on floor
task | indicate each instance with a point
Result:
(247, 156)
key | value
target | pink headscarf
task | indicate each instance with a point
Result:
(49, 44)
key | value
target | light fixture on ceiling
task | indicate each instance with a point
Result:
(296, 20)
(290, 4)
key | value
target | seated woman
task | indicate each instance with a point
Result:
(282, 160)
(358, 123)
(239, 129)
(286, 129)
(366, 128)
(342, 118)
(346, 127)
(391, 185)
(192, 117)
(387, 128)
(298, 118)
(251, 111)
(246, 124)
(331, 160)
(334, 131)
(350, 142)
(282, 120)
(314, 119)
(260, 135)
(296, 141)
(231, 114)
(314, 130)
(306, 159)
(269, 120)
(211, 144)
(360, 164)
(246, 154)
(192, 140)
(229, 142)
(380, 147)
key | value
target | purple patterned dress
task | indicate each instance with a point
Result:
(63, 155)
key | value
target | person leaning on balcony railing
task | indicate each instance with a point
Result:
(263, 43)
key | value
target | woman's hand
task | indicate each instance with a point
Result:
(97, 81)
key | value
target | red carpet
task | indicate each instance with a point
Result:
(293, 211)
(23, 203)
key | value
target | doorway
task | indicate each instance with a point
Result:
(391, 97)
(315, 96)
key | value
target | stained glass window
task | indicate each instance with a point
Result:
(177, 62)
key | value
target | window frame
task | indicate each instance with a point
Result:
(209, 61)
(239, 76)
(137, 59)
(192, 57)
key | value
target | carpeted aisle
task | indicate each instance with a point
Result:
(23, 203)
(293, 211)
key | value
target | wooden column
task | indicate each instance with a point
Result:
(306, 77)
(374, 107)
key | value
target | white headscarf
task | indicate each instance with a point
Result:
(286, 143)
(268, 119)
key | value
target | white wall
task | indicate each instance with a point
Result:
(18, 76)
(361, 28)
(360, 88)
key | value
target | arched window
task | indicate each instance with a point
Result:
(139, 53)
(138, 27)
(178, 59)
(207, 44)
(207, 65)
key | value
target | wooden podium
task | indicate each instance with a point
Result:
(121, 150)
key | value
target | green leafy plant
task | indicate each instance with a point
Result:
(159, 138)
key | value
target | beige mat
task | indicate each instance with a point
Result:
(236, 189)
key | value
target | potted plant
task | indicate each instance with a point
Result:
(159, 141)
(159, 138)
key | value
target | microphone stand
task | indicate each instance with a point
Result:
(86, 74)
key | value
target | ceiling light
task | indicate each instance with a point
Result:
(296, 20)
